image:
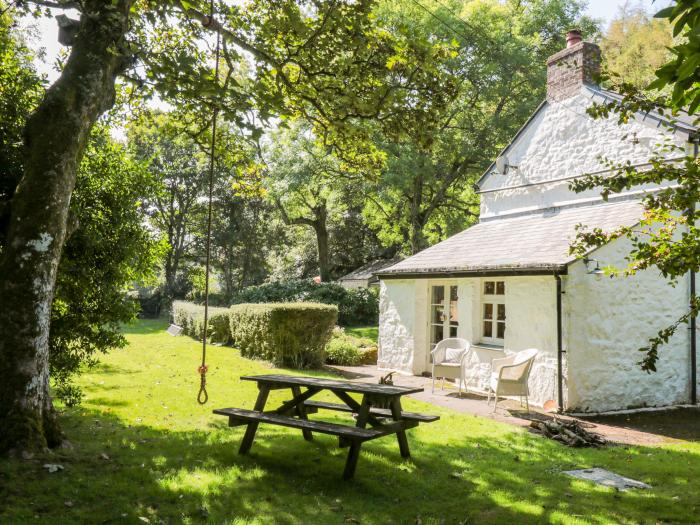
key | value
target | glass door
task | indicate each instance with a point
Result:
(443, 313)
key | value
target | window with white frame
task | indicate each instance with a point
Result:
(493, 312)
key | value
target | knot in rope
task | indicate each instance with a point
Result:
(202, 396)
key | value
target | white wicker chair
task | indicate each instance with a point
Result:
(449, 357)
(509, 376)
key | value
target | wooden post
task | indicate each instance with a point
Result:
(253, 425)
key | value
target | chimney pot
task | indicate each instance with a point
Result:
(573, 37)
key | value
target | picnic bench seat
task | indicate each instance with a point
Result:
(313, 406)
(323, 427)
(371, 420)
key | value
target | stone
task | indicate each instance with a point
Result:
(174, 330)
(607, 478)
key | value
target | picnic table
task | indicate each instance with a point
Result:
(380, 408)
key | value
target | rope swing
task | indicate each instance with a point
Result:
(203, 396)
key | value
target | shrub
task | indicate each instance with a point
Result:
(190, 317)
(359, 306)
(287, 334)
(346, 350)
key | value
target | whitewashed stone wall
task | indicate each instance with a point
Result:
(563, 141)
(607, 321)
(531, 323)
(397, 324)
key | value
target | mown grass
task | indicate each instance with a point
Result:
(145, 452)
(368, 332)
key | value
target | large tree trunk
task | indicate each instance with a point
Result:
(55, 138)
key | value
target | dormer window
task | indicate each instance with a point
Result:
(493, 310)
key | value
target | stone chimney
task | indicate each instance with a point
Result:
(571, 68)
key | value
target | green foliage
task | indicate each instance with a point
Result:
(286, 334)
(425, 195)
(190, 317)
(682, 72)
(109, 251)
(20, 90)
(347, 350)
(359, 306)
(635, 46)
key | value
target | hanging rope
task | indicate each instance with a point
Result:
(203, 396)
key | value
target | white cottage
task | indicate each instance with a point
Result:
(508, 283)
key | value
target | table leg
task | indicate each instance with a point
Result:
(355, 446)
(401, 434)
(301, 411)
(253, 425)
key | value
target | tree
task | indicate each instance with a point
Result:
(425, 195)
(636, 45)
(325, 61)
(668, 237)
(307, 185)
(175, 208)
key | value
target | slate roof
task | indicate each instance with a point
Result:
(367, 271)
(532, 243)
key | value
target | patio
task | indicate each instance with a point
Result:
(639, 428)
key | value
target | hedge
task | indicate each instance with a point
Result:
(190, 317)
(359, 306)
(287, 334)
(346, 350)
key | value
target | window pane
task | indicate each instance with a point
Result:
(453, 331)
(453, 293)
(489, 287)
(488, 311)
(438, 294)
(501, 312)
(437, 333)
(438, 314)
(488, 330)
(501, 330)
(500, 288)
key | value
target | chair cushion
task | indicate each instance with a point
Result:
(453, 355)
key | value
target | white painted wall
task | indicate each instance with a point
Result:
(562, 141)
(607, 320)
(397, 324)
(531, 323)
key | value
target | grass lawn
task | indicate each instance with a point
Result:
(369, 332)
(145, 452)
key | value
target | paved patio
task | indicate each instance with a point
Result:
(646, 428)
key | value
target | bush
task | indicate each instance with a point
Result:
(287, 334)
(346, 350)
(359, 306)
(190, 317)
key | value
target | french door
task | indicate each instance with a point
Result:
(443, 313)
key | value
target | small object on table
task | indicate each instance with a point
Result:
(378, 402)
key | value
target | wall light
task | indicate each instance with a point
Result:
(589, 266)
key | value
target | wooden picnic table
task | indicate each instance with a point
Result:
(380, 408)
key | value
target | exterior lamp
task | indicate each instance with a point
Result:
(592, 271)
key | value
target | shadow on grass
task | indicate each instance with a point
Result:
(120, 473)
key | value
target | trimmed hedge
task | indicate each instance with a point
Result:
(287, 334)
(190, 317)
(359, 306)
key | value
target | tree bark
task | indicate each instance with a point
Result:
(55, 138)
(321, 229)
